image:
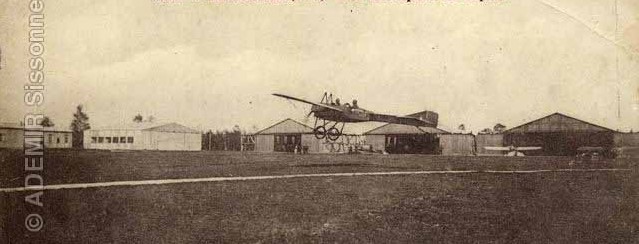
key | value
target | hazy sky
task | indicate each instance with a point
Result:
(212, 65)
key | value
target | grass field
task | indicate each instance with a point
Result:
(552, 207)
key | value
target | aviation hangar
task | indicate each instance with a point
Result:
(288, 134)
(144, 136)
(557, 134)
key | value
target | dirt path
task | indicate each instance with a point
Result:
(273, 177)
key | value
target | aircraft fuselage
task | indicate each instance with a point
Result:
(350, 115)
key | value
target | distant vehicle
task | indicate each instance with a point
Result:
(512, 150)
(331, 111)
(595, 152)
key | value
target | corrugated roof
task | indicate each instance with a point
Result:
(287, 126)
(389, 129)
(557, 122)
(173, 128)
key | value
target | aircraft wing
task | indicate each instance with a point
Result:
(590, 149)
(304, 101)
(528, 148)
(392, 119)
(497, 148)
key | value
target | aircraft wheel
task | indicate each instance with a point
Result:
(333, 134)
(319, 132)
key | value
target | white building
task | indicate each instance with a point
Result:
(12, 136)
(143, 136)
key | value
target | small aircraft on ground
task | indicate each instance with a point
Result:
(332, 113)
(512, 150)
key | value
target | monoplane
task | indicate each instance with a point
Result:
(513, 150)
(329, 114)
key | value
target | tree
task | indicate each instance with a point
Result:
(46, 122)
(79, 124)
(138, 118)
(462, 127)
(499, 128)
(486, 131)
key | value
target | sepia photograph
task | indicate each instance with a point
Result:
(319, 121)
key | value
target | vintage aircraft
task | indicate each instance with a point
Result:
(512, 150)
(333, 112)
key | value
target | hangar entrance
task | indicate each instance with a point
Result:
(412, 144)
(287, 142)
(560, 144)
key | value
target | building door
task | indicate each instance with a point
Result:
(287, 142)
(412, 144)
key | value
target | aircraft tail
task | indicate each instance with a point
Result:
(429, 117)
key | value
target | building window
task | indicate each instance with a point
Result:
(1, 137)
(122, 139)
(100, 139)
(129, 139)
(93, 139)
(108, 139)
(66, 138)
(57, 140)
(115, 139)
(50, 138)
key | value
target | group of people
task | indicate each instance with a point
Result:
(337, 102)
(300, 149)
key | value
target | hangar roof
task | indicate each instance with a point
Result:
(389, 129)
(174, 128)
(16, 126)
(126, 126)
(146, 126)
(287, 126)
(558, 122)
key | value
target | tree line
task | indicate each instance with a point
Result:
(497, 129)
(224, 140)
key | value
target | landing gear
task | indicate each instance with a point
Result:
(332, 133)
(319, 132)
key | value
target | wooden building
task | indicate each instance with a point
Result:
(559, 135)
(457, 144)
(12, 136)
(405, 139)
(284, 136)
(289, 134)
(489, 140)
(627, 145)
